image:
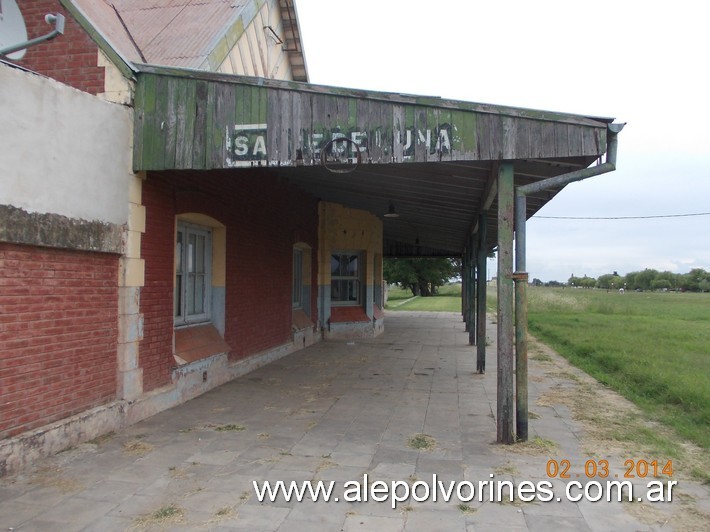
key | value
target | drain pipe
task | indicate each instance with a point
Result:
(521, 276)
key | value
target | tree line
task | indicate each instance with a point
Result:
(423, 276)
(696, 280)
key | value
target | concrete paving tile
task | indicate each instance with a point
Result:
(434, 521)
(444, 469)
(392, 471)
(213, 457)
(111, 490)
(231, 482)
(37, 525)
(208, 501)
(362, 523)
(333, 412)
(500, 516)
(298, 462)
(258, 518)
(545, 523)
(107, 524)
(139, 505)
(132, 472)
(77, 511)
(389, 455)
(296, 525)
(342, 474)
(614, 517)
(352, 459)
(14, 513)
(315, 447)
(327, 515)
(46, 497)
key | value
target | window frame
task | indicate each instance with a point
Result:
(182, 285)
(297, 279)
(358, 278)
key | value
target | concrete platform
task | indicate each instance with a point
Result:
(400, 408)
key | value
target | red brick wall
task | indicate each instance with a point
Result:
(156, 303)
(70, 58)
(264, 219)
(58, 334)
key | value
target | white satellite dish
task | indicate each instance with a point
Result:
(12, 28)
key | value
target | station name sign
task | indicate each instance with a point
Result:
(248, 144)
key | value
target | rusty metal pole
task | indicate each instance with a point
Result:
(481, 294)
(506, 355)
(521, 321)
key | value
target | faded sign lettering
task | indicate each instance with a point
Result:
(246, 144)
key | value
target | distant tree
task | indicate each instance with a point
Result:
(661, 284)
(630, 280)
(609, 281)
(696, 280)
(645, 278)
(423, 276)
(554, 283)
(672, 278)
(584, 282)
(536, 282)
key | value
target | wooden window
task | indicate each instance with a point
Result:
(345, 278)
(297, 290)
(193, 253)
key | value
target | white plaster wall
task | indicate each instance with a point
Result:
(63, 151)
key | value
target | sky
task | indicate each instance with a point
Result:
(645, 64)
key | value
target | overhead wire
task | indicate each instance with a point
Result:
(623, 217)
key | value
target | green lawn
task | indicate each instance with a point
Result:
(653, 348)
(447, 300)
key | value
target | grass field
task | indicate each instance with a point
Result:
(447, 300)
(653, 348)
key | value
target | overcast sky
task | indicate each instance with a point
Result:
(642, 63)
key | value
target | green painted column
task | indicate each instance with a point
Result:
(506, 355)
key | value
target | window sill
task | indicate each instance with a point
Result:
(348, 315)
(196, 343)
(300, 321)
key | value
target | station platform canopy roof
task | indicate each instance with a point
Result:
(431, 162)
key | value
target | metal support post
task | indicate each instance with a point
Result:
(521, 321)
(521, 355)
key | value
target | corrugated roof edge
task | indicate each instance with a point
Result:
(247, 13)
(392, 97)
(292, 4)
(126, 67)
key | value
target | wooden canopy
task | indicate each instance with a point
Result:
(433, 161)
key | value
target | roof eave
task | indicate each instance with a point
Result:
(125, 66)
(390, 97)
